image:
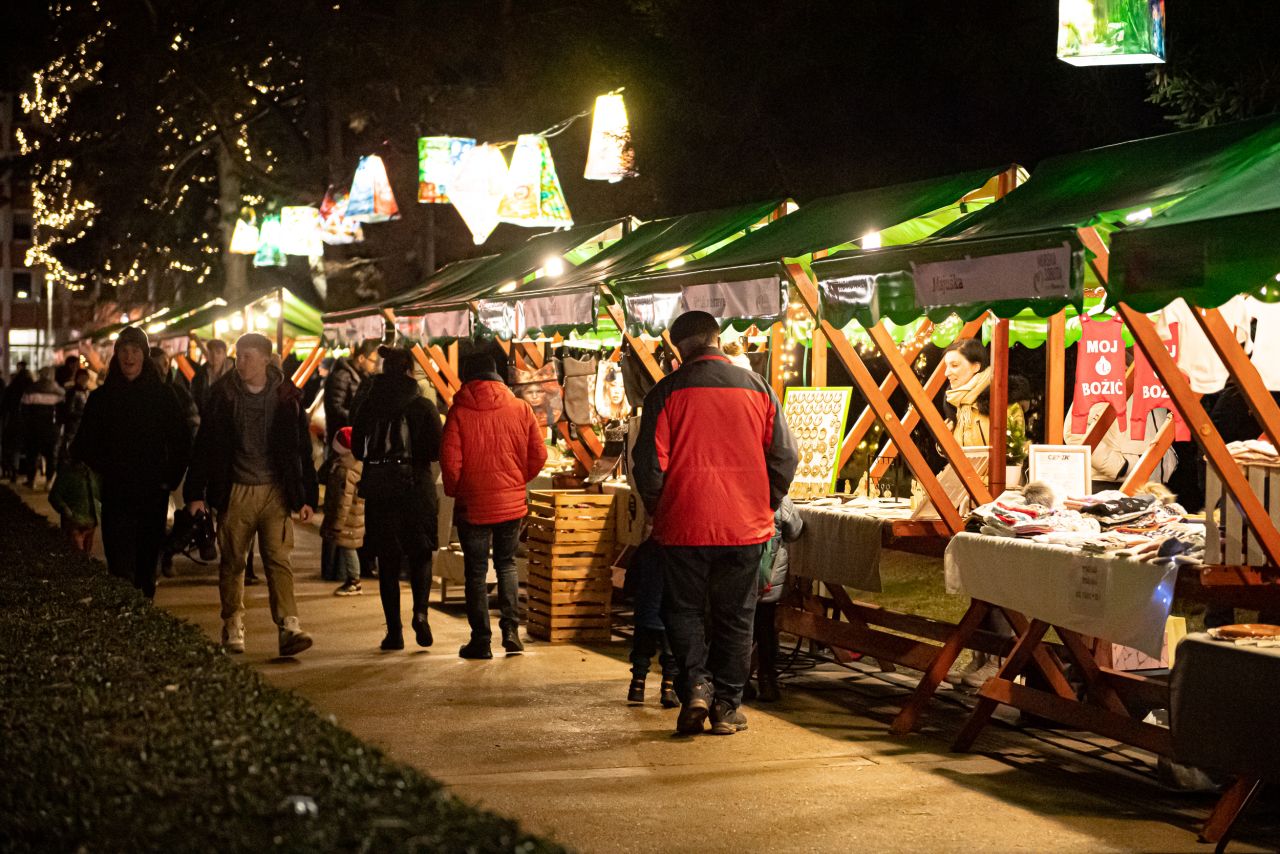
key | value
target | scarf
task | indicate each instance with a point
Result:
(970, 424)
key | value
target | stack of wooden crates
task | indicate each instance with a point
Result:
(571, 545)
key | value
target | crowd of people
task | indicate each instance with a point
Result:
(231, 451)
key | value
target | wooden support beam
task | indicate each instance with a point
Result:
(923, 403)
(1055, 381)
(1151, 457)
(999, 409)
(871, 391)
(580, 453)
(184, 365)
(446, 369)
(887, 387)
(818, 361)
(308, 366)
(442, 388)
(642, 351)
(777, 377)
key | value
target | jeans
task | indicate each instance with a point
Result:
(476, 540)
(256, 511)
(346, 564)
(644, 646)
(725, 578)
(766, 636)
(396, 529)
(132, 534)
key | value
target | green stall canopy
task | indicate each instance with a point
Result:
(1023, 253)
(1219, 242)
(257, 312)
(755, 262)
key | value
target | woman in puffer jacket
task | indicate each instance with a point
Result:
(344, 513)
(787, 526)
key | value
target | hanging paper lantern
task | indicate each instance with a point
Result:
(610, 156)
(300, 227)
(269, 253)
(371, 199)
(336, 228)
(534, 197)
(477, 189)
(244, 239)
(1111, 32)
(438, 158)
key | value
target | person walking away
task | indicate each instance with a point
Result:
(644, 583)
(713, 462)
(397, 437)
(344, 513)
(216, 365)
(73, 410)
(76, 495)
(492, 448)
(774, 564)
(134, 436)
(11, 421)
(164, 366)
(252, 465)
(40, 428)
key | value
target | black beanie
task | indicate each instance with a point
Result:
(135, 336)
(479, 366)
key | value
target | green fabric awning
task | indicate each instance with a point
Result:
(440, 279)
(1103, 187)
(301, 319)
(1216, 243)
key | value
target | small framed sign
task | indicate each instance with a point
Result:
(1067, 468)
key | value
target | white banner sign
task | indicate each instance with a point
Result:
(653, 310)
(447, 324)
(1017, 275)
(574, 309)
(352, 330)
(498, 317)
(752, 298)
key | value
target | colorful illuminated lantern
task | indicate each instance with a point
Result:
(610, 156)
(270, 235)
(478, 188)
(1111, 32)
(335, 227)
(371, 199)
(244, 239)
(300, 231)
(438, 158)
(534, 197)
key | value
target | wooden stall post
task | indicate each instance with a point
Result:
(777, 377)
(637, 344)
(1055, 379)
(999, 406)
(818, 362)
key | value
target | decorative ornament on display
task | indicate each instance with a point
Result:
(336, 228)
(270, 236)
(244, 239)
(371, 199)
(477, 188)
(1150, 394)
(438, 158)
(534, 197)
(1100, 370)
(300, 225)
(610, 156)
(1111, 32)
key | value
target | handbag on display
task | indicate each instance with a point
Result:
(540, 388)
(611, 400)
(579, 388)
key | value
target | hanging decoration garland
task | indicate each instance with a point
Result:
(438, 159)
(610, 156)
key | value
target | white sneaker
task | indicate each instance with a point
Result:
(293, 639)
(958, 672)
(979, 677)
(233, 635)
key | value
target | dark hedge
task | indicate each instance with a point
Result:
(125, 729)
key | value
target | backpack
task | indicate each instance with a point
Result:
(388, 459)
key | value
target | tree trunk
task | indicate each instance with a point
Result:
(235, 267)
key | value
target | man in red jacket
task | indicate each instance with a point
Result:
(713, 462)
(492, 448)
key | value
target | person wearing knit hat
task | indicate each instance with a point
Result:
(134, 434)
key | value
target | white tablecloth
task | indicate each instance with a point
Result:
(838, 547)
(1123, 601)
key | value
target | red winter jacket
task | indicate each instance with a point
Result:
(492, 448)
(715, 457)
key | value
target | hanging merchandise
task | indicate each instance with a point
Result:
(1111, 32)
(477, 189)
(534, 197)
(300, 227)
(244, 239)
(579, 394)
(438, 158)
(1100, 370)
(610, 156)
(371, 199)
(540, 389)
(611, 392)
(336, 228)
(1149, 393)
(270, 235)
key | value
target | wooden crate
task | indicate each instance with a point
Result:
(571, 546)
(1228, 538)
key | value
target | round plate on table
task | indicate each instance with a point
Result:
(1248, 630)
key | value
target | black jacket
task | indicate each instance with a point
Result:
(201, 385)
(387, 396)
(339, 398)
(133, 433)
(288, 446)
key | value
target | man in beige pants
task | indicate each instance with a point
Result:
(254, 468)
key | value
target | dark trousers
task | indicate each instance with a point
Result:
(644, 646)
(395, 530)
(132, 534)
(41, 441)
(766, 636)
(476, 543)
(722, 581)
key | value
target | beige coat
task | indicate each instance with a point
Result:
(343, 508)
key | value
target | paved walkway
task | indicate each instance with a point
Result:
(547, 738)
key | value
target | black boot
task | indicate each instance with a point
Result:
(422, 630)
(511, 640)
(635, 694)
(668, 698)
